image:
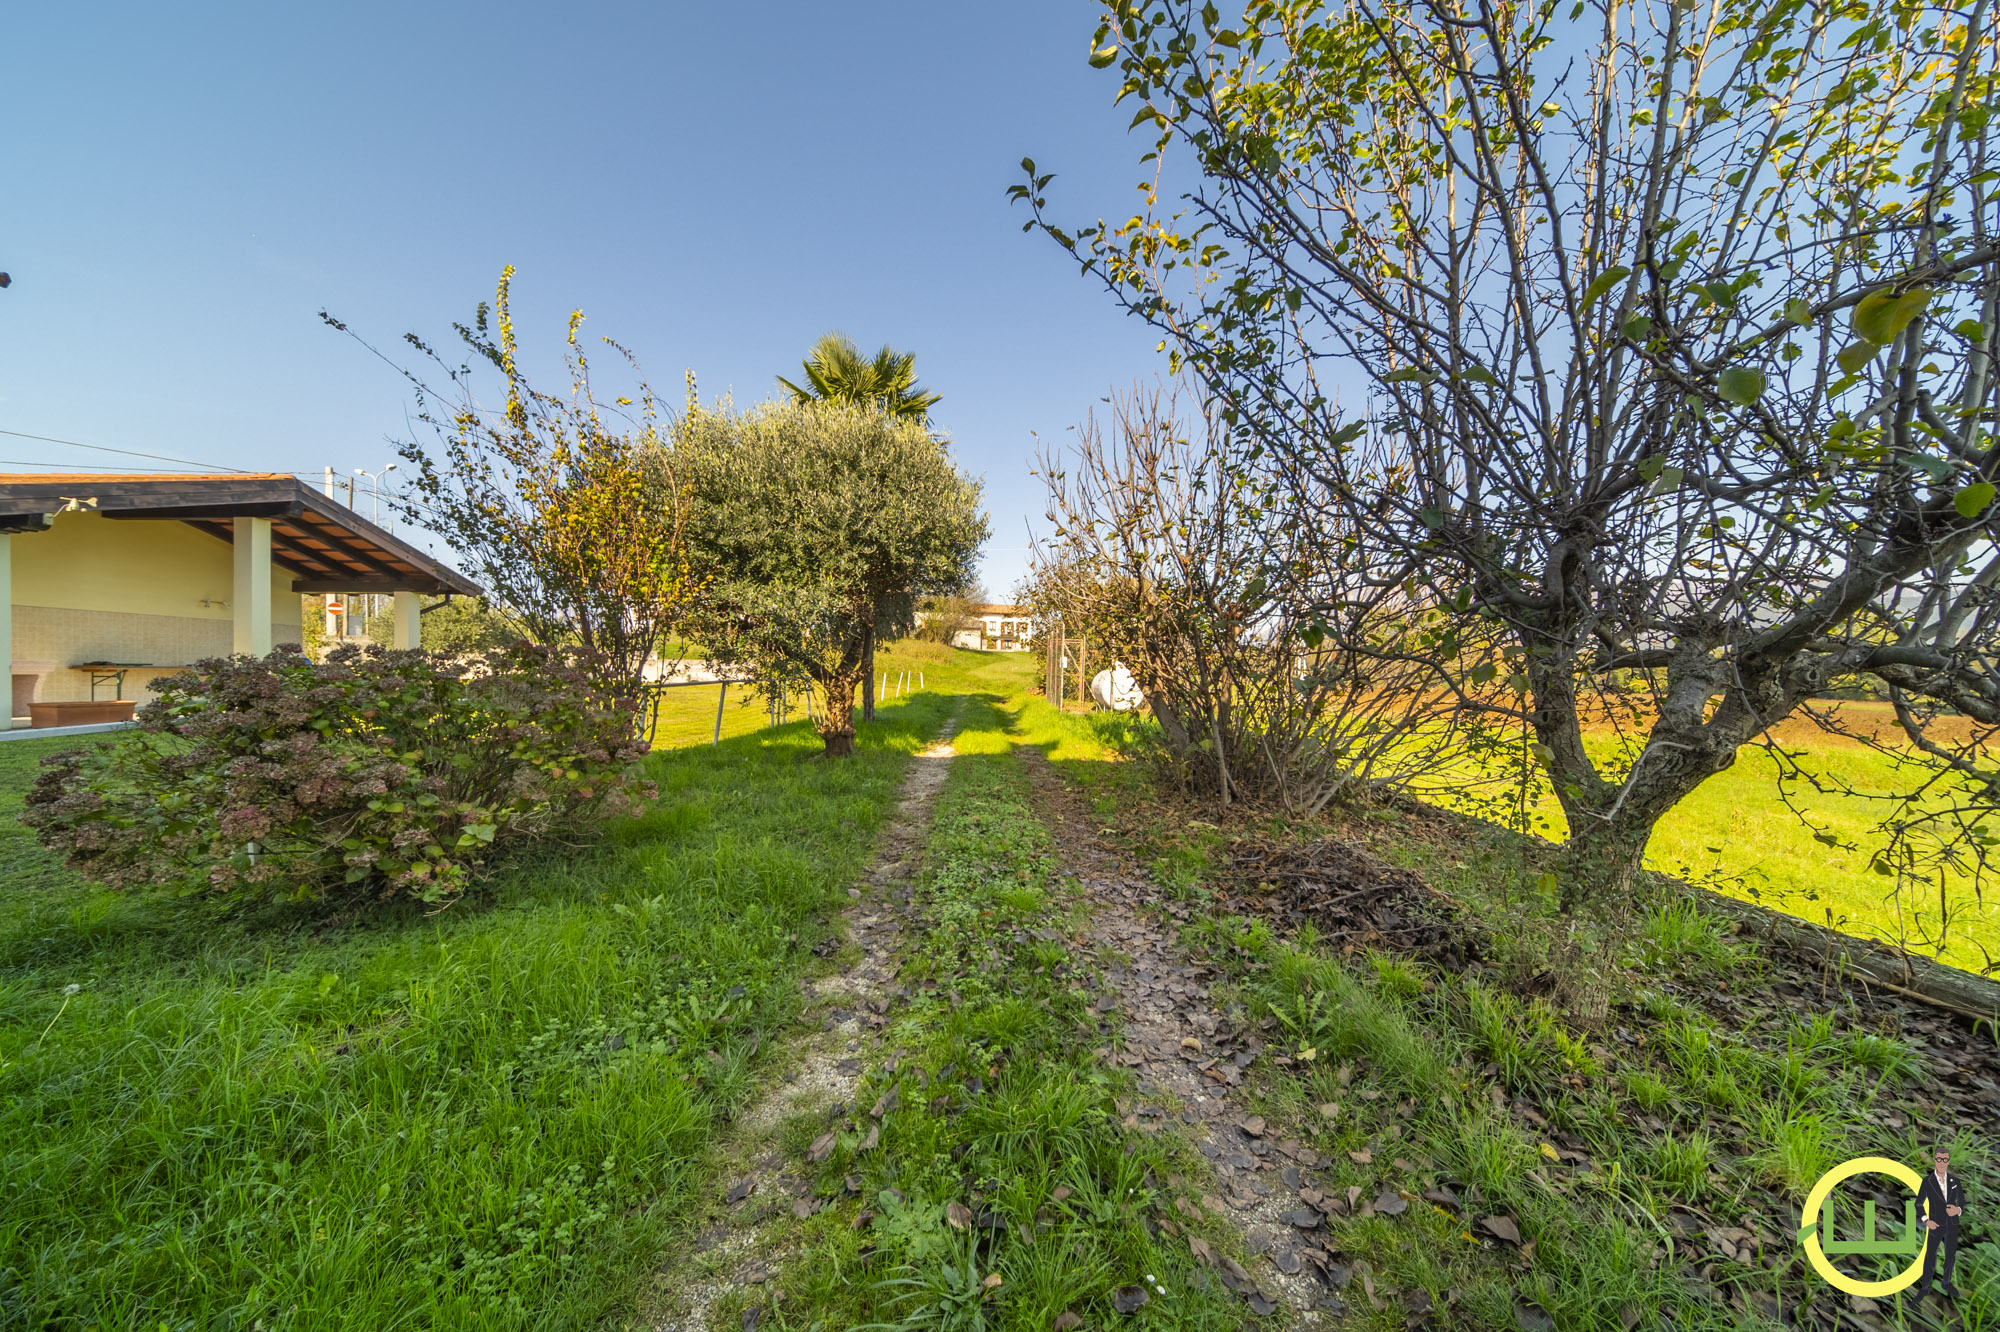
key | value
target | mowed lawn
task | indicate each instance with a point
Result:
(486, 1117)
(688, 713)
(1736, 834)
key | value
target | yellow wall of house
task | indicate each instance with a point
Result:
(137, 567)
(93, 588)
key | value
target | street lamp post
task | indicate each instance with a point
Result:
(375, 488)
(375, 510)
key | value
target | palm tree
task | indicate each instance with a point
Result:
(836, 371)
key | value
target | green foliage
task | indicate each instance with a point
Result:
(819, 523)
(370, 775)
(836, 371)
(561, 504)
(454, 627)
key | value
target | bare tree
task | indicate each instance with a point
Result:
(1678, 326)
(1215, 590)
(941, 617)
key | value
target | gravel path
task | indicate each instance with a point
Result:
(734, 1249)
(1190, 1057)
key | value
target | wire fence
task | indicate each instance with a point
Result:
(674, 714)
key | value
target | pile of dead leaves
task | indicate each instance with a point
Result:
(1354, 899)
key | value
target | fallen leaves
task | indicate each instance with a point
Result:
(821, 1147)
(1501, 1227)
(1129, 1299)
(958, 1214)
(1532, 1317)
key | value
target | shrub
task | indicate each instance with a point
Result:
(374, 773)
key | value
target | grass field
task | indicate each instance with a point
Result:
(481, 1118)
(688, 715)
(1009, 1031)
(494, 1117)
(1736, 835)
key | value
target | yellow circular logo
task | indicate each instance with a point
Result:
(1915, 1238)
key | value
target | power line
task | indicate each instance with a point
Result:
(103, 467)
(130, 453)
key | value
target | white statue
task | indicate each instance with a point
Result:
(1116, 690)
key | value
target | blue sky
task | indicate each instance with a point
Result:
(186, 186)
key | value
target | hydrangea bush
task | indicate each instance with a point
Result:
(370, 774)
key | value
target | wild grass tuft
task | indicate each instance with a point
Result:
(1648, 1092)
(1680, 934)
(1679, 1165)
(1885, 1055)
(1796, 1150)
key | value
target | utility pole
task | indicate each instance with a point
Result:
(327, 600)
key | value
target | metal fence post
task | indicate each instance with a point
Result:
(721, 696)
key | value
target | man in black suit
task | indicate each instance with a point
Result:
(1942, 1200)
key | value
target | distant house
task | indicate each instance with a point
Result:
(114, 581)
(996, 628)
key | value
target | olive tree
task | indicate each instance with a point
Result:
(818, 525)
(1657, 335)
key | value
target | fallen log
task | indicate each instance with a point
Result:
(1892, 968)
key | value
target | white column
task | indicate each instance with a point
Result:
(7, 624)
(251, 598)
(409, 620)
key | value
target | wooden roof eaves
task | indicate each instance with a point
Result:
(352, 539)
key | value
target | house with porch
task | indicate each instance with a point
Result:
(995, 627)
(114, 581)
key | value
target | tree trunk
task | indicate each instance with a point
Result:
(1597, 864)
(868, 672)
(1169, 720)
(1608, 834)
(836, 724)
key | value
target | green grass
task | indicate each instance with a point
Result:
(1687, 1112)
(1735, 834)
(1004, 1108)
(688, 712)
(483, 1118)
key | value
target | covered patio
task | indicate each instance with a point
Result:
(116, 580)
